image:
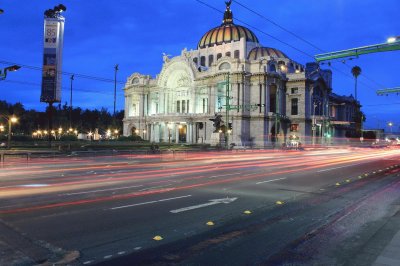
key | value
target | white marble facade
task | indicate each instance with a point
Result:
(267, 90)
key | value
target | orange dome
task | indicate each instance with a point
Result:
(227, 32)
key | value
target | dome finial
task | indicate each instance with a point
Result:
(228, 16)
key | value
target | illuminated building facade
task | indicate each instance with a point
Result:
(264, 98)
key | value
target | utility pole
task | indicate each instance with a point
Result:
(276, 113)
(70, 103)
(115, 87)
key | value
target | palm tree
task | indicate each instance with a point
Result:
(356, 71)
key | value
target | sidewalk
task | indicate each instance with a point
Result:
(391, 253)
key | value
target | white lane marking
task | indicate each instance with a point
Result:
(34, 185)
(334, 168)
(149, 202)
(272, 180)
(150, 188)
(100, 190)
(108, 256)
(210, 203)
(87, 262)
(121, 252)
(223, 175)
(137, 248)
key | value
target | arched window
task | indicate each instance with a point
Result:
(228, 54)
(224, 66)
(272, 68)
(195, 60)
(135, 81)
(203, 61)
(210, 59)
(219, 56)
(236, 54)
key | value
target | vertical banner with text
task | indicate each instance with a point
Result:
(52, 59)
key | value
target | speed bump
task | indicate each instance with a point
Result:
(157, 238)
(247, 212)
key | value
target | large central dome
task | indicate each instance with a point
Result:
(227, 32)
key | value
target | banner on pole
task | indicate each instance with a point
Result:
(52, 59)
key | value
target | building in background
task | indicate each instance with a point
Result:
(262, 96)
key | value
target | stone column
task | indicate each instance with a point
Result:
(151, 132)
(176, 134)
(157, 133)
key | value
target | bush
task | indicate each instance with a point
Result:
(21, 138)
(129, 138)
(68, 138)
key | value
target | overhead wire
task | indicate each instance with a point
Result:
(76, 75)
(64, 88)
(287, 44)
(309, 43)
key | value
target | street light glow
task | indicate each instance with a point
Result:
(14, 119)
(391, 39)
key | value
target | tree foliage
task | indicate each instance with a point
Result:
(81, 120)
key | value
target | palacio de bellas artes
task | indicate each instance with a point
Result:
(234, 91)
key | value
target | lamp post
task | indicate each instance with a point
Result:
(70, 103)
(11, 120)
(390, 124)
(3, 73)
(115, 87)
(314, 126)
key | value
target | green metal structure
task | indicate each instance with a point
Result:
(387, 91)
(355, 52)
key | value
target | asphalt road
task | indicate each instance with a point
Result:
(211, 208)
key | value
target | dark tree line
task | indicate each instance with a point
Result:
(86, 120)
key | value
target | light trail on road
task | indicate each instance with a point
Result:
(282, 164)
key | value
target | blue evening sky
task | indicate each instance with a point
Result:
(135, 33)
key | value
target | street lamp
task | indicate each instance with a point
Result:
(393, 39)
(390, 124)
(3, 73)
(70, 103)
(11, 120)
(115, 87)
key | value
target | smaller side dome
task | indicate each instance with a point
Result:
(259, 52)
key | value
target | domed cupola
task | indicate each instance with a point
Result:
(227, 32)
(259, 52)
